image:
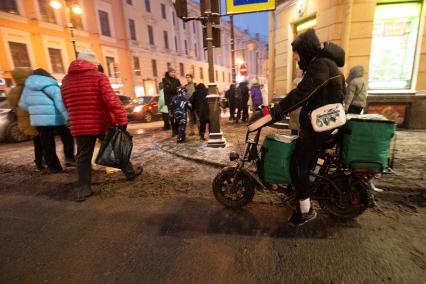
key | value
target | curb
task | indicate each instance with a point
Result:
(190, 158)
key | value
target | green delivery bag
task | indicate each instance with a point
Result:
(277, 151)
(366, 142)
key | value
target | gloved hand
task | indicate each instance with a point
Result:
(276, 112)
(123, 127)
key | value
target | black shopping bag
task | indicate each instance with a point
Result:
(116, 148)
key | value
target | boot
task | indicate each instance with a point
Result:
(83, 193)
(134, 173)
(40, 165)
(70, 162)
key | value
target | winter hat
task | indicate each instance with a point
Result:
(189, 75)
(88, 55)
(171, 69)
(308, 46)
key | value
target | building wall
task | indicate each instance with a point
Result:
(29, 28)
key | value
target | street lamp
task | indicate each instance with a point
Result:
(76, 9)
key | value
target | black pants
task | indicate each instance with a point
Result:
(244, 110)
(173, 125)
(231, 111)
(303, 160)
(203, 127)
(355, 109)
(85, 148)
(47, 138)
(166, 119)
(38, 150)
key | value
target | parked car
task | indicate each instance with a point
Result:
(143, 108)
(125, 100)
(9, 130)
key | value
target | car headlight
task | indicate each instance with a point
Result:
(137, 109)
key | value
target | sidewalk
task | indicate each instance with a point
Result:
(409, 165)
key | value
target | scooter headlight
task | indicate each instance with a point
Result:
(233, 156)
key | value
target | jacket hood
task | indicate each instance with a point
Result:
(37, 82)
(307, 45)
(80, 66)
(20, 74)
(333, 52)
(356, 72)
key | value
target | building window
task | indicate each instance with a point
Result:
(217, 75)
(201, 73)
(130, 2)
(166, 39)
(176, 44)
(184, 25)
(9, 6)
(110, 65)
(393, 49)
(154, 68)
(55, 56)
(223, 76)
(46, 12)
(195, 50)
(104, 19)
(19, 53)
(182, 69)
(193, 26)
(132, 29)
(174, 18)
(148, 6)
(151, 35)
(75, 19)
(193, 70)
(163, 11)
(186, 47)
(136, 66)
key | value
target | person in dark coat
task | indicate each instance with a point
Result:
(319, 65)
(230, 96)
(201, 107)
(170, 85)
(243, 101)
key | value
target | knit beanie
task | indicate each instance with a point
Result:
(88, 55)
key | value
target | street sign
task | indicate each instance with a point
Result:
(243, 70)
(249, 6)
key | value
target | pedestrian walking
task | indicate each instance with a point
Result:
(356, 91)
(179, 108)
(92, 106)
(200, 105)
(164, 109)
(243, 98)
(170, 85)
(230, 96)
(42, 99)
(19, 75)
(256, 94)
(190, 87)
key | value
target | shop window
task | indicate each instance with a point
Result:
(394, 46)
(104, 20)
(9, 6)
(46, 12)
(110, 65)
(56, 61)
(19, 53)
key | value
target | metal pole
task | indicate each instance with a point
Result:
(271, 57)
(71, 29)
(234, 71)
(215, 136)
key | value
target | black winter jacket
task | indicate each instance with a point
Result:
(170, 86)
(318, 70)
(199, 102)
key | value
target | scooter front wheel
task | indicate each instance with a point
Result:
(232, 188)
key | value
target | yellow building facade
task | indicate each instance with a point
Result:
(34, 34)
(386, 37)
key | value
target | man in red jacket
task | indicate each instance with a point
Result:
(92, 107)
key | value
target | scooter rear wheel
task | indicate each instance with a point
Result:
(232, 188)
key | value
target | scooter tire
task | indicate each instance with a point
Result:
(245, 188)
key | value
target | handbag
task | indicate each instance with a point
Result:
(328, 117)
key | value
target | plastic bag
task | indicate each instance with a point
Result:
(116, 149)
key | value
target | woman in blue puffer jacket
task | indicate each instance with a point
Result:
(42, 99)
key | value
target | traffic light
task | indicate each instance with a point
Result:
(216, 37)
(181, 8)
(215, 9)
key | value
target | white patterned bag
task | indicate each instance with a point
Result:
(328, 117)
